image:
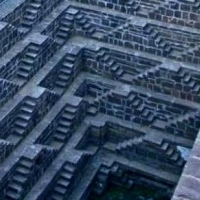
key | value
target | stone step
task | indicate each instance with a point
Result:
(68, 23)
(61, 34)
(64, 123)
(33, 48)
(64, 29)
(63, 183)
(35, 6)
(70, 58)
(70, 109)
(68, 65)
(68, 116)
(180, 162)
(69, 168)
(165, 146)
(136, 103)
(26, 23)
(62, 129)
(19, 179)
(57, 197)
(115, 67)
(66, 71)
(30, 103)
(175, 156)
(28, 61)
(15, 187)
(66, 175)
(23, 74)
(63, 77)
(170, 151)
(119, 72)
(31, 10)
(24, 116)
(18, 131)
(12, 195)
(131, 97)
(26, 163)
(82, 21)
(22, 171)
(21, 123)
(61, 84)
(92, 110)
(31, 55)
(25, 69)
(60, 190)
(29, 17)
(60, 137)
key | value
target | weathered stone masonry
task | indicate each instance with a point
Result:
(94, 92)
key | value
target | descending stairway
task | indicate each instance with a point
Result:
(85, 23)
(31, 14)
(114, 68)
(187, 125)
(170, 151)
(24, 117)
(20, 178)
(69, 177)
(190, 81)
(66, 124)
(65, 28)
(128, 144)
(62, 186)
(158, 40)
(101, 180)
(66, 71)
(27, 63)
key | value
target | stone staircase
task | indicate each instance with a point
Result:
(101, 178)
(172, 153)
(114, 68)
(24, 118)
(20, 178)
(169, 151)
(142, 114)
(68, 177)
(84, 23)
(66, 71)
(31, 14)
(62, 186)
(159, 42)
(188, 80)
(65, 28)
(187, 125)
(126, 145)
(66, 123)
(26, 66)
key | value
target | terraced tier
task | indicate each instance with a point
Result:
(94, 92)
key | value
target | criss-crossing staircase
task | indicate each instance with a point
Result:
(66, 71)
(20, 178)
(31, 14)
(26, 66)
(66, 123)
(63, 183)
(101, 180)
(68, 177)
(24, 117)
(65, 28)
